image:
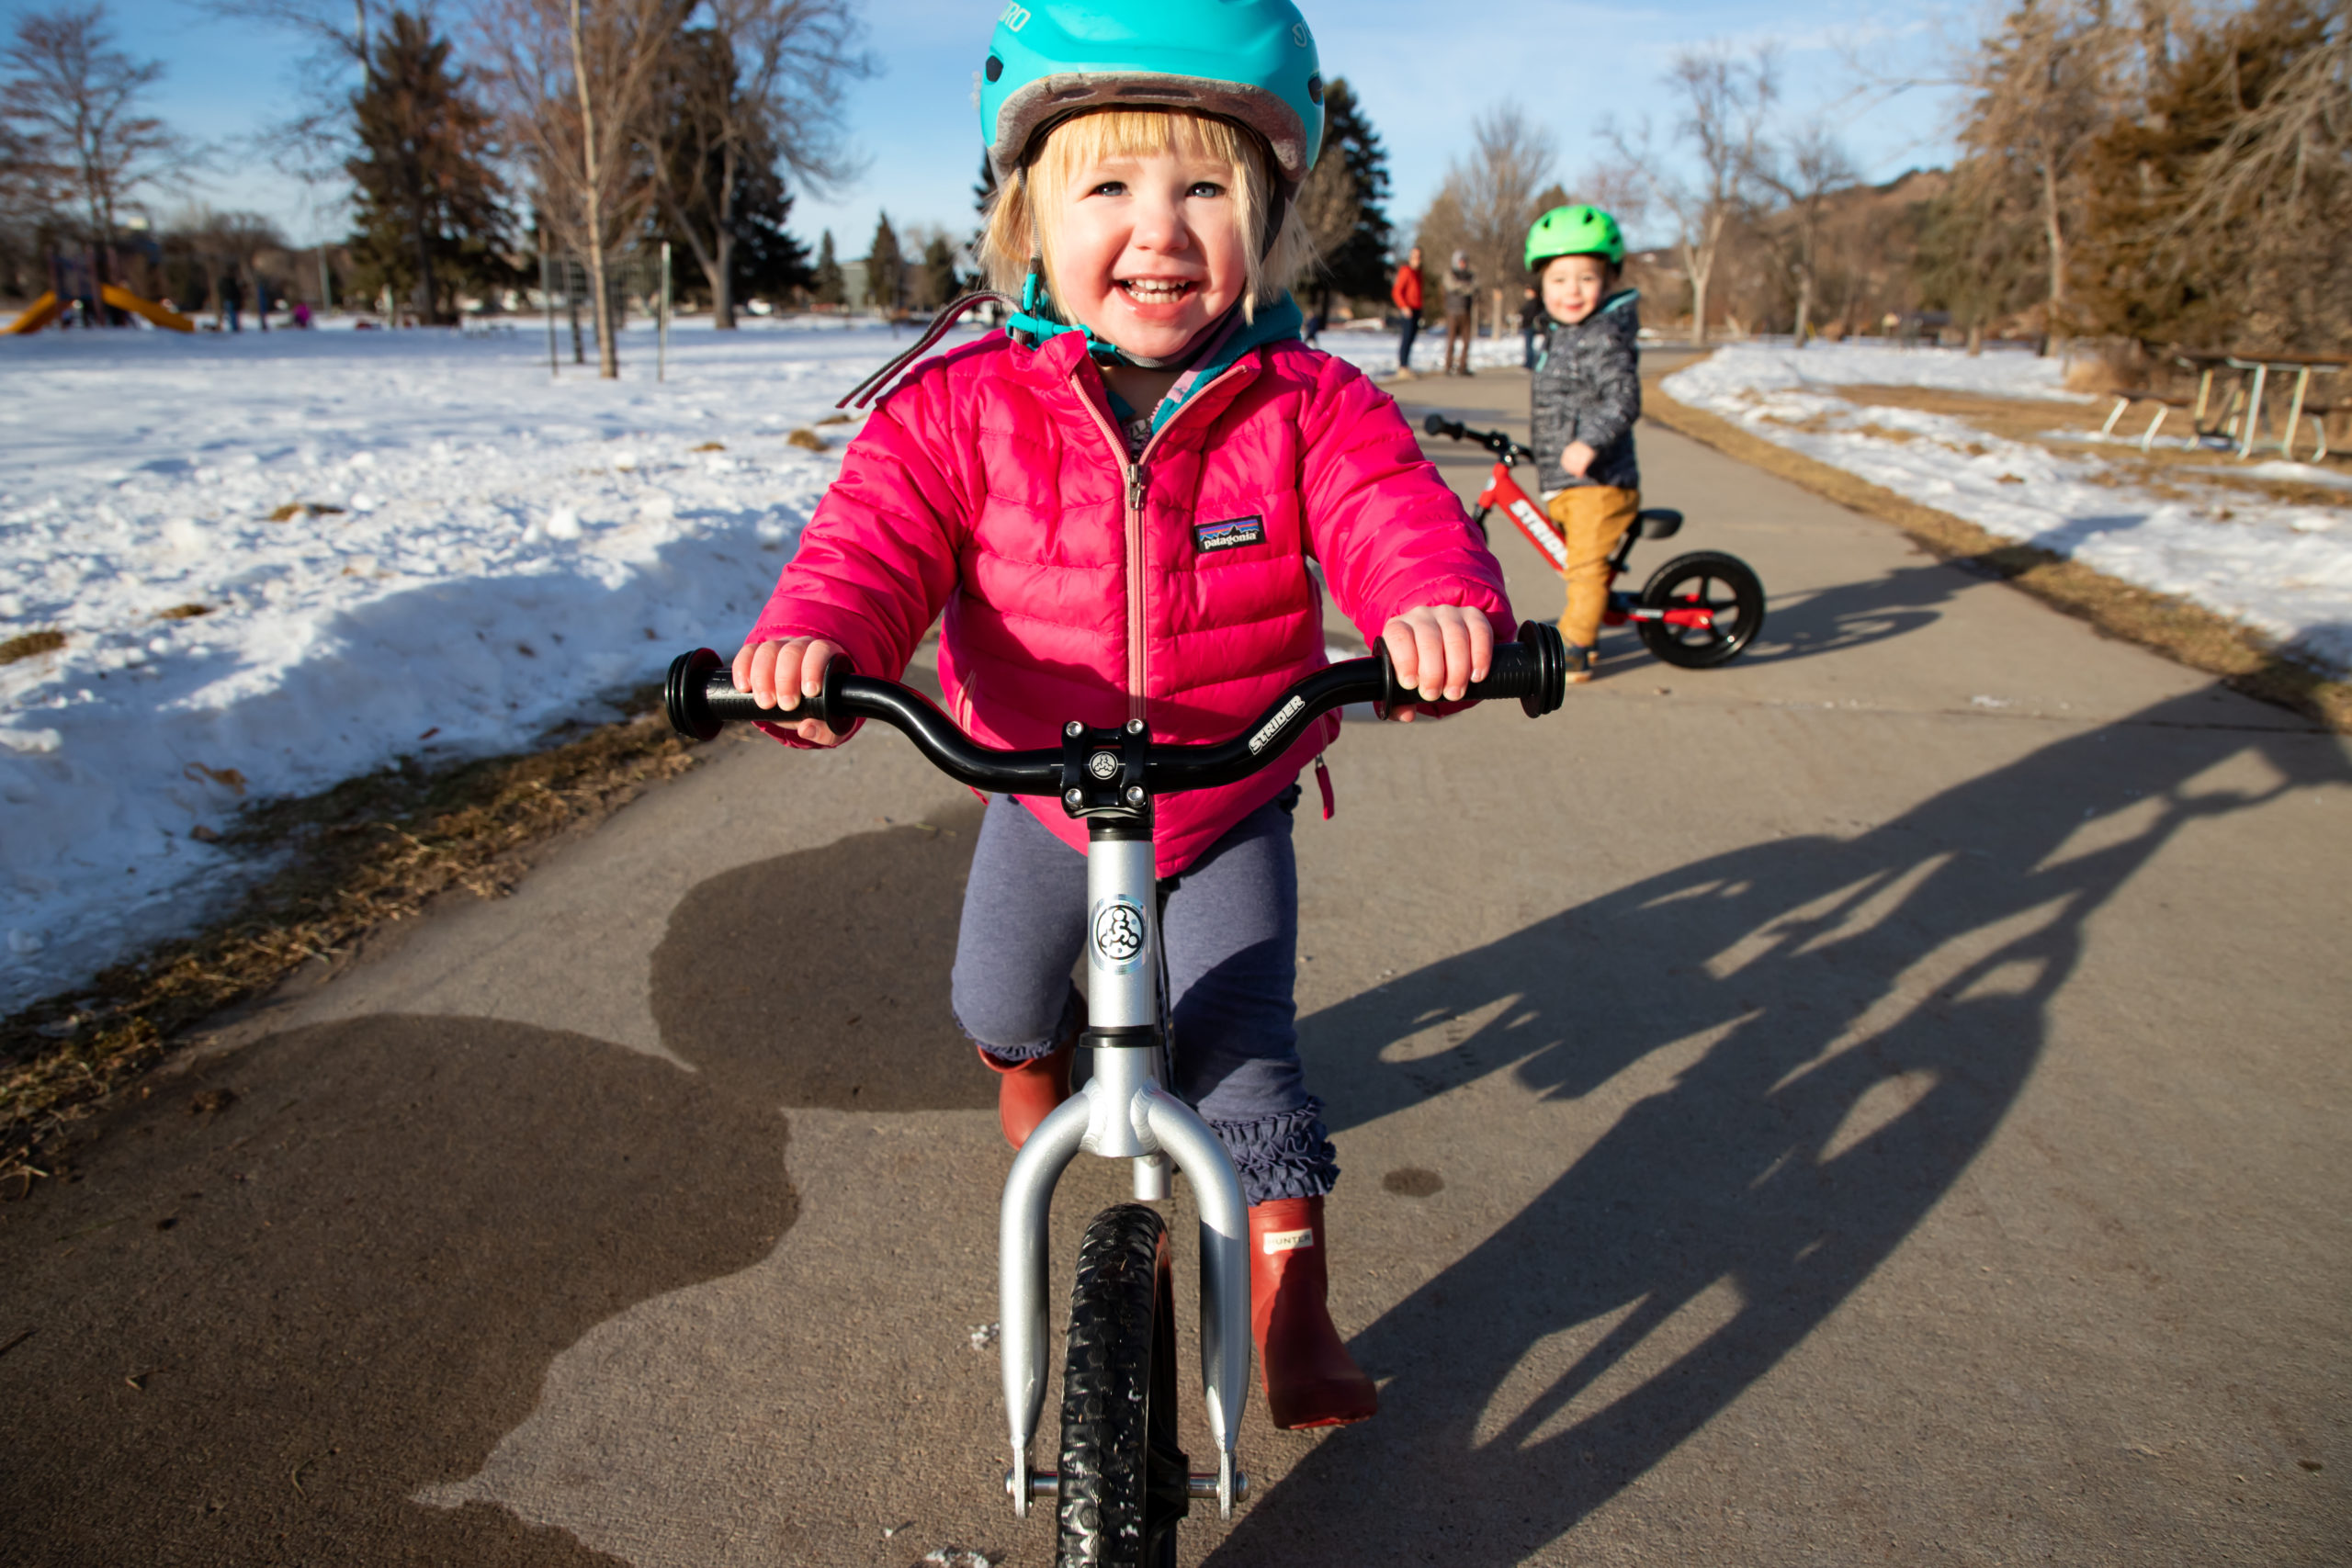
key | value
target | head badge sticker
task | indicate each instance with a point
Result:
(1118, 934)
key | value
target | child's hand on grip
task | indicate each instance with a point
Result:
(778, 675)
(1438, 650)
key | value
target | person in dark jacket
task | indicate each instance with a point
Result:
(1461, 305)
(1531, 323)
(1585, 396)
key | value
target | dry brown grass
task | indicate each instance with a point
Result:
(2182, 631)
(369, 851)
(30, 645)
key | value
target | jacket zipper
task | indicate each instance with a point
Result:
(1138, 480)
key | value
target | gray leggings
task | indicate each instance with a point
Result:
(1231, 930)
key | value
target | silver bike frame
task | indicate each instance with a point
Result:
(1124, 1112)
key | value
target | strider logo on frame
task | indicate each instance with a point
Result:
(1230, 535)
(1118, 934)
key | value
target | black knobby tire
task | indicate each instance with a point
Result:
(1708, 580)
(1122, 1474)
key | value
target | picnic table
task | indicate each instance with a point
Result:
(2253, 372)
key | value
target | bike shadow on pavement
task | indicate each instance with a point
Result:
(1852, 614)
(288, 1291)
(1835, 1027)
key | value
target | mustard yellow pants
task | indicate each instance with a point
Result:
(1591, 519)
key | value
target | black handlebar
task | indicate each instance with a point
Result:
(1494, 441)
(701, 698)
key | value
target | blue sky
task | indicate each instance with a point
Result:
(1567, 62)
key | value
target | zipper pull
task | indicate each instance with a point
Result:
(1323, 782)
(1137, 479)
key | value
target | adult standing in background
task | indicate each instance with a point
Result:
(1406, 295)
(1461, 300)
(1530, 321)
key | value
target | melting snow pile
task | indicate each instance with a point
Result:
(279, 561)
(2284, 570)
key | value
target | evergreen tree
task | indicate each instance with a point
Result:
(886, 269)
(723, 201)
(827, 287)
(940, 281)
(429, 212)
(1358, 265)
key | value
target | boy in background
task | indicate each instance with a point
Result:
(1585, 396)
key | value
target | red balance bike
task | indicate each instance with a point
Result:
(1697, 611)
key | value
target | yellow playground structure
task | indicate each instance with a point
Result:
(48, 307)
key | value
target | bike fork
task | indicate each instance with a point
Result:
(1124, 1113)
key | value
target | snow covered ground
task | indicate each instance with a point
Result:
(2283, 569)
(401, 542)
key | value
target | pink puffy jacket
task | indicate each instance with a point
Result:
(993, 485)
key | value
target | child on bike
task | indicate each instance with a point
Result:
(1116, 503)
(1585, 395)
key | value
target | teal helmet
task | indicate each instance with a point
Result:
(1578, 231)
(1251, 62)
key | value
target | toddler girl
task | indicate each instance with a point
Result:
(1114, 504)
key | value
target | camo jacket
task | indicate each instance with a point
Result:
(1587, 388)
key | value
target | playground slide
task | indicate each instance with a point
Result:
(37, 314)
(124, 299)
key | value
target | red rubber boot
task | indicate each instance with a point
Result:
(1311, 1381)
(1029, 1091)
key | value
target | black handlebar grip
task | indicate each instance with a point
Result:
(1534, 670)
(701, 698)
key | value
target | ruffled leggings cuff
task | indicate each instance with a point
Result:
(1073, 1010)
(1282, 1156)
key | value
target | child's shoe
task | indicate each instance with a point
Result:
(1580, 663)
(1310, 1378)
(1027, 1092)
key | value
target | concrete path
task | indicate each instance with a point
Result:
(1882, 1100)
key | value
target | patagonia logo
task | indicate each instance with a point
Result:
(1229, 535)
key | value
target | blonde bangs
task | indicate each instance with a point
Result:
(1026, 214)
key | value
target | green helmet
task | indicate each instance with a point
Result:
(1251, 62)
(1578, 231)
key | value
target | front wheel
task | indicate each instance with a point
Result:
(1122, 1477)
(1705, 608)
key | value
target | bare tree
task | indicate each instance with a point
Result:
(1803, 172)
(1726, 97)
(2045, 85)
(72, 103)
(316, 138)
(576, 77)
(760, 80)
(1617, 188)
(1489, 198)
(1327, 206)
